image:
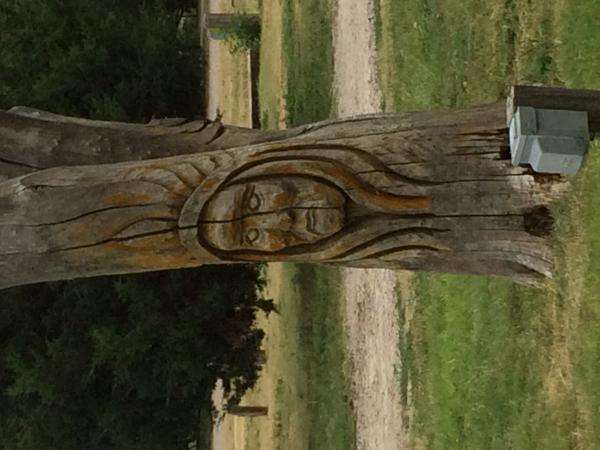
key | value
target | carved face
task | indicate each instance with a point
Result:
(270, 215)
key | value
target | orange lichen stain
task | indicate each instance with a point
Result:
(151, 260)
(281, 199)
(402, 202)
(127, 199)
(209, 184)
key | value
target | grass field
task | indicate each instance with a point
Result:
(459, 52)
(487, 364)
(308, 60)
(272, 77)
(305, 368)
(321, 355)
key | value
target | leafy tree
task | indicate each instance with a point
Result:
(126, 362)
(104, 59)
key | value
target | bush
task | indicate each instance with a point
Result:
(243, 34)
(124, 362)
(104, 59)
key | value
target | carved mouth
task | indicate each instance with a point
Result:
(321, 222)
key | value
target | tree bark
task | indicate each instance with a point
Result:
(422, 191)
(32, 140)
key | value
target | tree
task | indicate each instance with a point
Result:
(126, 362)
(104, 59)
(420, 191)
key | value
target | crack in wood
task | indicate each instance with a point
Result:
(81, 216)
(403, 248)
(392, 234)
(266, 213)
(488, 179)
(20, 164)
(495, 152)
(220, 131)
(110, 240)
(366, 157)
(139, 221)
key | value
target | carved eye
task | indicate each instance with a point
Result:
(252, 235)
(254, 202)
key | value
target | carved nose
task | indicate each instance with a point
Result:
(284, 220)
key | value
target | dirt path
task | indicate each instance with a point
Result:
(370, 314)
(355, 73)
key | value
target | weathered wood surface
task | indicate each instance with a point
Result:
(32, 140)
(421, 191)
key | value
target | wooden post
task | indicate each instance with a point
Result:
(221, 20)
(248, 411)
(254, 63)
(557, 98)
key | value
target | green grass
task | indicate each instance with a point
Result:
(308, 59)
(313, 409)
(488, 364)
(457, 52)
(578, 44)
(322, 352)
(476, 357)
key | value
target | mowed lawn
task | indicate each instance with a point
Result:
(295, 82)
(308, 58)
(488, 364)
(303, 381)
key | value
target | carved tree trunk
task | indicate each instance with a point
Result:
(422, 191)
